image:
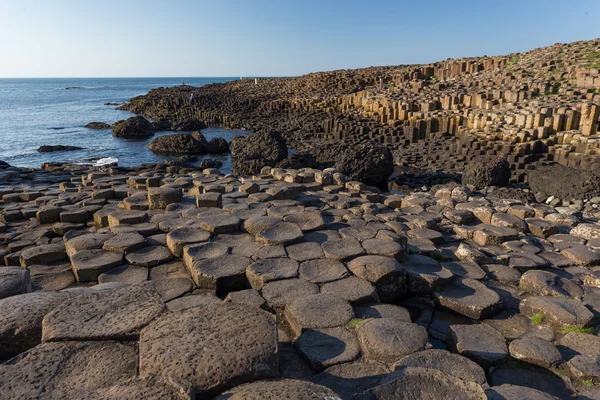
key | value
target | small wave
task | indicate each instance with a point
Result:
(58, 128)
(106, 161)
(73, 87)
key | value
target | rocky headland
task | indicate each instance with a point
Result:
(300, 275)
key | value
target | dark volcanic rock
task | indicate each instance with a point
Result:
(218, 145)
(98, 125)
(210, 163)
(57, 147)
(564, 182)
(189, 125)
(162, 125)
(299, 160)
(133, 128)
(250, 154)
(180, 143)
(487, 171)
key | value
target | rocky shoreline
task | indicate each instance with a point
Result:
(185, 283)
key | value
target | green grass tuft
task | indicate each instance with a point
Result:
(588, 382)
(355, 321)
(567, 329)
(537, 319)
(437, 256)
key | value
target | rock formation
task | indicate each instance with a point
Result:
(133, 128)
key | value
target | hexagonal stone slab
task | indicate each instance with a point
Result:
(470, 298)
(213, 348)
(177, 239)
(249, 297)
(279, 294)
(387, 274)
(423, 383)
(67, 370)
(425, 274)
(442, 360)
(387, 340)
(546, 283)
(256, 225)
(323, 270)
(534, 350)
(307, 221)
(480, 343)
(220, 223)
(289, 389)
(351, 378)
(13, 281)
(21, 320)
(353, 289)
(193, 253)
(385, 247)
(342, 249)
(149, 256)
(128, 274)
(304, 251)
(125, 242)
(326, 347)
(284, 233)
(101, 315)
(272, 269)
(382, 311)
(222, 274)
(89, 264)
(514, 392)
(140, 388)
(317, 311)
(556, 310)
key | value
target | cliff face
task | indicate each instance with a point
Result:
(530, 108)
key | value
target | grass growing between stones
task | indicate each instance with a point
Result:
(437, 256)
(567, 329)
(588, 382)
(353, 322)
(537, 319)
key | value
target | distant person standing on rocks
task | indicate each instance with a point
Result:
(192, 98)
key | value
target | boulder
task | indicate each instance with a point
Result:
(250, 154)
(179, 143)
(188, 125)
(57, 147)
(487, 171)
(289, 389)
(98, 125)
(217, 145)
(133, 128)
(210, 163)
(563, 182)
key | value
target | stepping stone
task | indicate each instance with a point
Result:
(387, 274)
(555, 260)
(353, 289)
(460, 217)
(541, 228)
(278, 389)
(14, 281)
(467, 269)
(222, 274)
(350, 378)
(144, 229)
(423, 383)
(342, 249)
(470, 298)
(149, 257)
(283, 211)
(213, 348)
(145, 388)
(279, 294)
(509, 221)
(220, 224)
(531, 376)
(382, 311)
(385, 247)
(67, 370)
(327, 347)
(428, 234)
(249, 188)
(177, 239)
(103, 315)
(581, 255)
(249, 297)
(284, 233)
(557, 310)
(21, 320)
(446, 362)
(546, 283)
(575, 344)
(386, 340)
(322, 270)
(424, 274)
(586, 231)
(261, 252)
(584, 367)
(43, 254)
(502, 273)
(274, 269)
(51, 277)
(125, 242)
(255, 225)
(533, 350)
(193, 253)
(513, 392)
(488, 234)
(117, 218)
(160, 198)
(307, 221)
(317, 311)
(171, 288)
(479, 343)
(321, 236)
(129, 274)
(359, 233)
(195, 300)
(210, 199)
(89, 264)
(304, 251)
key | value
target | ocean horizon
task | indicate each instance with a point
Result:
(54, 111)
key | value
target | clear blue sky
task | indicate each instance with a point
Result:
(127, 38)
